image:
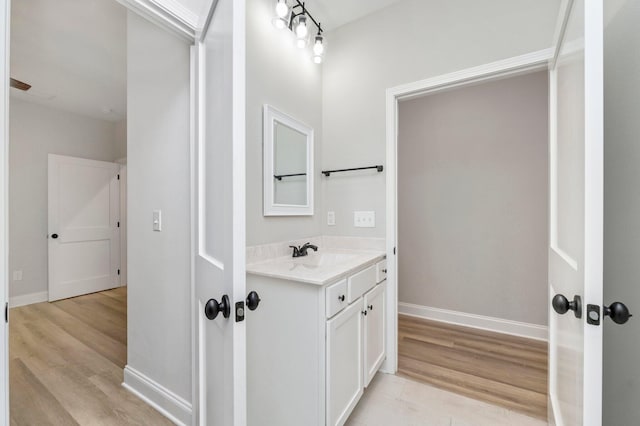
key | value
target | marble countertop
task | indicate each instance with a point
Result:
(319, 268)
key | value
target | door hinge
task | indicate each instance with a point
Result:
(118, 177)
(118, 224)
(6, 312)
(118, 271)
(394, 250)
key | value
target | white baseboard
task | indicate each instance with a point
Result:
(499, 325)
(162, 399)
(28, 299)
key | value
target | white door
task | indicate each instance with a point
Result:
(576, 219)
(84, 238)
(344, 363)
(374, 336)
(219, 222)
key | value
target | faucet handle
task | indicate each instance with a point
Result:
(296, 251)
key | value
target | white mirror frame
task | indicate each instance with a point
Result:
(270, 207)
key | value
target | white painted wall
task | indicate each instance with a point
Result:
(406, 42)
(35, 132)
(158, 132)
(621, 378)
(473, 199)
(281, 75)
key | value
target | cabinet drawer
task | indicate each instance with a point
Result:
(381, 269)
(359, 283)
(336, 298)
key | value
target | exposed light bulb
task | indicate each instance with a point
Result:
(317, 59)
(301, 28)
(301, 43)
(281, 8)
(318, 46)
(279, 23)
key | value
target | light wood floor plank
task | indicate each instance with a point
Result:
(67, 360)
(509, 371)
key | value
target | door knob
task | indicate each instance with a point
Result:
(561, 305)
(253, 300)
(213, 308)
(618, 312)
(54, 236)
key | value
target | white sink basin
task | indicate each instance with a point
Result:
(324, 259)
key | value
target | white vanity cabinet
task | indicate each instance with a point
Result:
(312, 349)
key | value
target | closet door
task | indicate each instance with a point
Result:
(373, 332)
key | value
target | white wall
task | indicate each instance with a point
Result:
(406, 42)
(281, 75)
(473, 199)
(621, 378)
(35, 132)
(158, 164)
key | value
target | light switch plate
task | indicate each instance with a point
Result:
(364, 219)
(17, 275)
(331, 218)
(157, 220)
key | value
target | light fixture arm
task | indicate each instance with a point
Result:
(301, 5)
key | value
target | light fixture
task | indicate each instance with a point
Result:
(297, 18)
(318, 45)
(301, 27)
(282, 9)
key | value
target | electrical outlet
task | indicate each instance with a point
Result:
(364, 219)
(331, 218)
(17, 275)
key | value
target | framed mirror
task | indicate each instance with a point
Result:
(288, 165)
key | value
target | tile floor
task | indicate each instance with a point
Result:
(396, 401)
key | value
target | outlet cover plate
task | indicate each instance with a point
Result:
(364, 219)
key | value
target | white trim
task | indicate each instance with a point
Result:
(491, 71)
(28, 299)
(481, 322)
(170, 15)
(5, 19)
(162, 399)
(494, 70)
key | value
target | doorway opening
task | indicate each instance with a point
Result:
(470, 197)
(67, 215)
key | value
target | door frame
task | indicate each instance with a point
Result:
(510, 67)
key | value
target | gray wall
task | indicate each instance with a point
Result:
(159, 306)
(622, 209)
(473, 199)
(281, 75)
(37, 131)
(409, 41)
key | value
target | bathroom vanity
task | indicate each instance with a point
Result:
(318, 337)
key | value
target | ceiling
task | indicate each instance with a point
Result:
(335, 13)
(73, 53)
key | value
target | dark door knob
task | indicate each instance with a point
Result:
(618, 312)
(561, 305)
(54, 236)
(253, 300)
(213, 308)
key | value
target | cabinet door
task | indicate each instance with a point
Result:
(344, 363)
(374, 335)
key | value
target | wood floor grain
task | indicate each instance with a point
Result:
(66, 364)
(500, 369)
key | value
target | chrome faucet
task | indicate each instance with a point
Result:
(302, 250)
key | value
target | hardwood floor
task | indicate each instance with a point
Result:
(66, 364)
(500, 369)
